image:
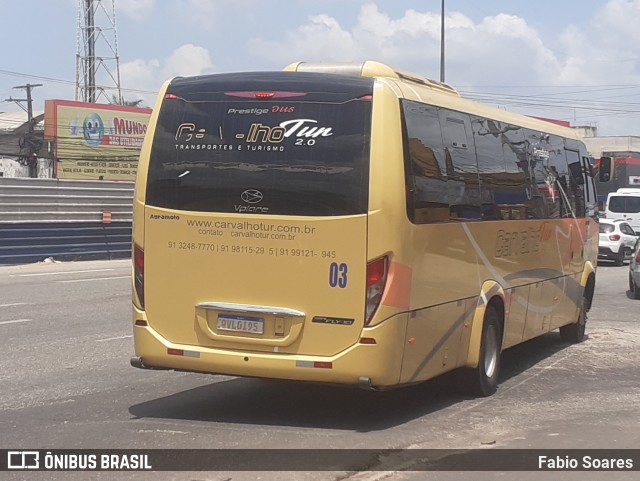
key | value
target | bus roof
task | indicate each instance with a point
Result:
(368, 68)
(433, 92)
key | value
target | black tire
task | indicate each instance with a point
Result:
(634, 288)
(619, 258)
(575, 332)
(483, 380)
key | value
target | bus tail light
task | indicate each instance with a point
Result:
(138, 273)
(376, 280)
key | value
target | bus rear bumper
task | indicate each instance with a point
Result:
(368, 366)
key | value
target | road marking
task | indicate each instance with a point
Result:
(14, 304)
(16, 321)
(94, 279)
(114, 338)
(168, 431)
(59, 273)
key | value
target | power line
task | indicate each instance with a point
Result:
(62, 81)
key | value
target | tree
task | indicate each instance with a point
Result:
(126, 103)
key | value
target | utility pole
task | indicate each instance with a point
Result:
(29, 100)
(29, 140)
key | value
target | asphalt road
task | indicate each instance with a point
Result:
(65, 344)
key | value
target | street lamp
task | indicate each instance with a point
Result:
(442, 43)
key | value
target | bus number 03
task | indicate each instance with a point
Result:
(338, 275)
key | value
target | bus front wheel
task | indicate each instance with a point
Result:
(483, 380)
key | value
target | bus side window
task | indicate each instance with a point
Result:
(426, 168)
(591, 198)
(462, 175)
(503, 182)
(576, 182)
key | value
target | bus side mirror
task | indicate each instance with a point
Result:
(606, 169)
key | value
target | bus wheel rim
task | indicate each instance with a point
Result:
(491, 352)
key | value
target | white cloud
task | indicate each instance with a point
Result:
(188, 60)
(501, 50)
(198, 13)
(135, 9)
(148, 75)
(412, 42)
(207, 15)
(498, 53)
(321, 39)
(607, 48)
(619, 19)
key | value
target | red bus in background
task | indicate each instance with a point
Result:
(626, 174)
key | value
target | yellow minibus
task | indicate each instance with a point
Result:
(354, 224)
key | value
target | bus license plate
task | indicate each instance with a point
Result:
(229, 322)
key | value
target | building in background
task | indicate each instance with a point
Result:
(94, 141)
(625, 150)
(22, 153)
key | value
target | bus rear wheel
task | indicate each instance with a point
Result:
(483, 380)
(574, 333)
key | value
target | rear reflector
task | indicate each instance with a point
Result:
(315, 364)
(367, 340)
(181, 352)
(323, 365)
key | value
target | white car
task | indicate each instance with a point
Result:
(624, 204)
(617, 239)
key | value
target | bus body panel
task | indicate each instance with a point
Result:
(378, 363)
(256, 261)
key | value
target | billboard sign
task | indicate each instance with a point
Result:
(95, 141)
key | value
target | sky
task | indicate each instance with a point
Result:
(573, 60)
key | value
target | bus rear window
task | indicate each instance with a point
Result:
(245, 154)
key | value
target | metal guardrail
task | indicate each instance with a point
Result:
(25, 243)
(63, 219)
(54, 200)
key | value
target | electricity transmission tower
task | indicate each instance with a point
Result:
(97, 61)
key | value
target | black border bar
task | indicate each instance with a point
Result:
(490, 459)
